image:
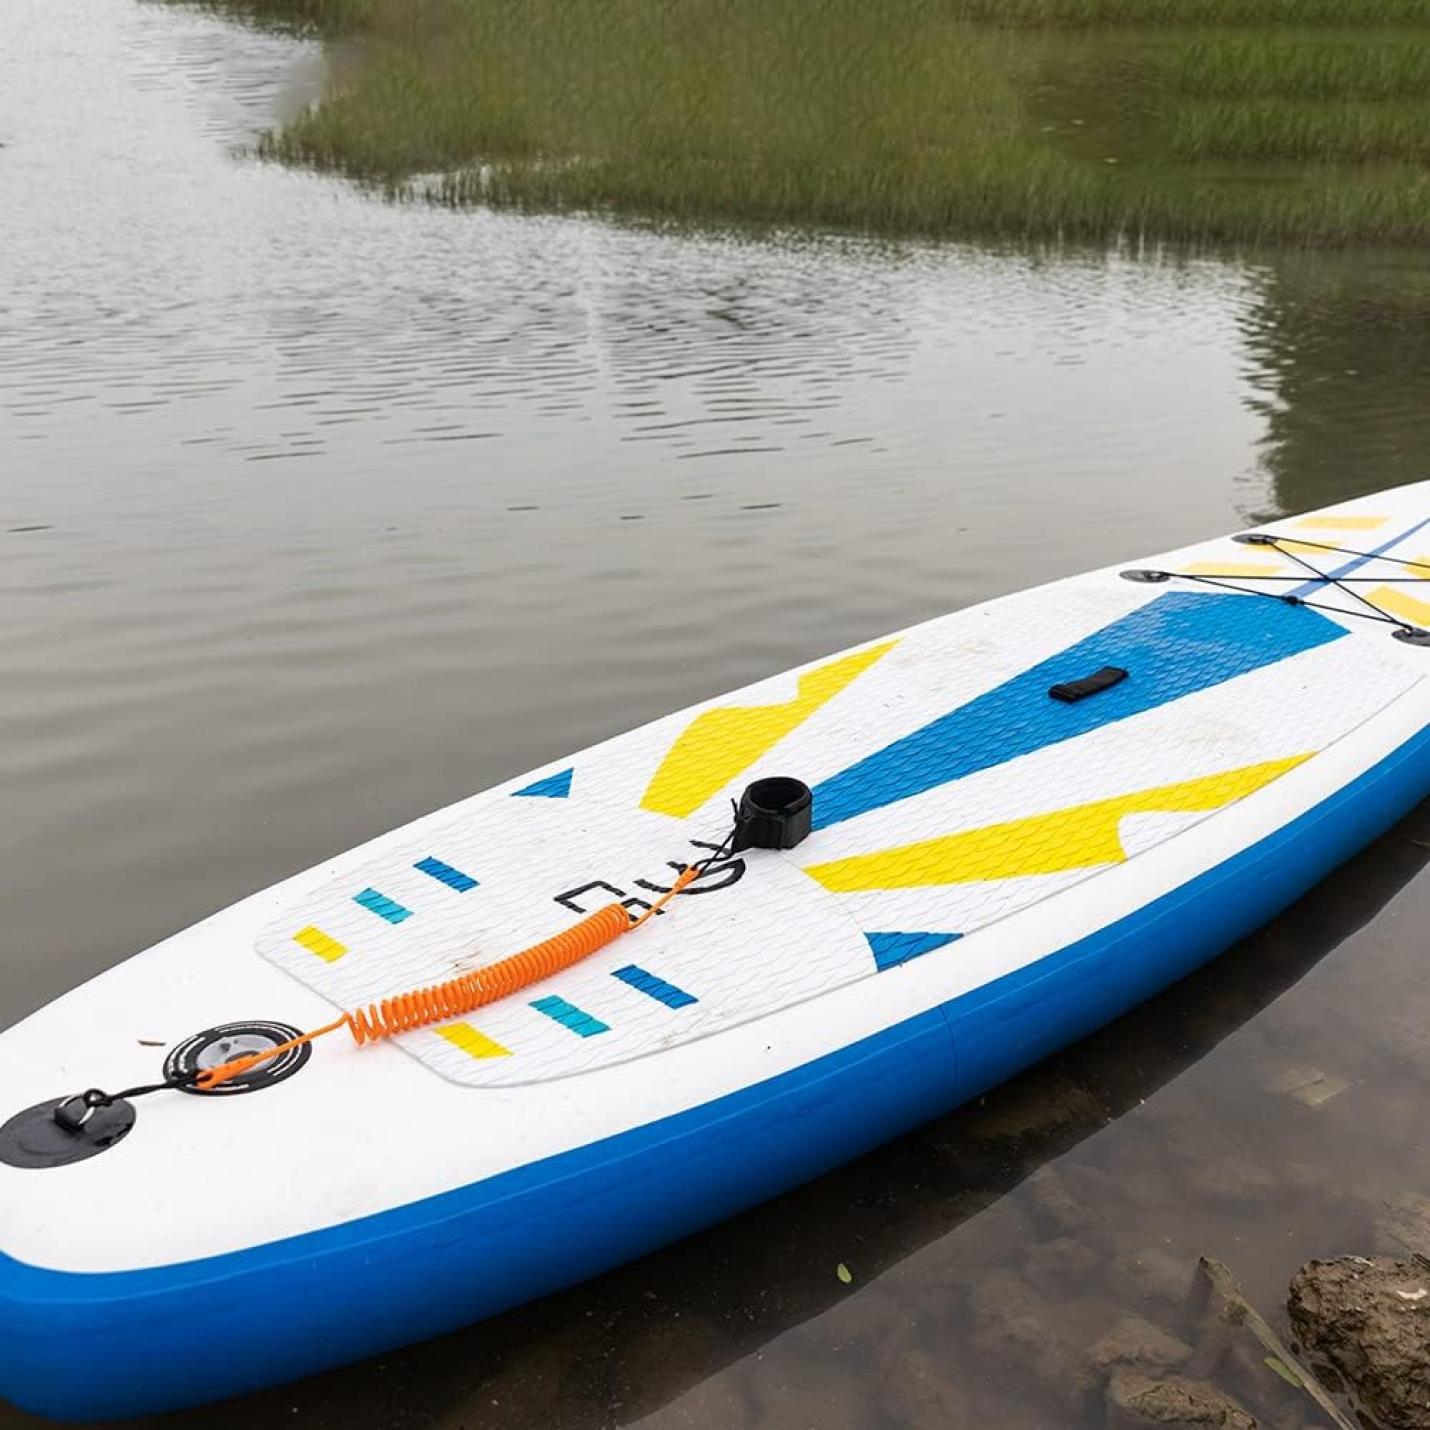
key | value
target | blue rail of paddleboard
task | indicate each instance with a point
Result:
(125, 1343)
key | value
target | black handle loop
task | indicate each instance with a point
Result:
(73, 1119)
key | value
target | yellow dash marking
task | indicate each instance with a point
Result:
(1341, 523)
(1408, 608)
(1075, 838)
(472, 1042)
(316, 941)
(1307, 548)
(1232, 568)
(1417, 565)
(714, 748)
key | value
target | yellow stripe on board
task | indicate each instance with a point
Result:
(1232, 568)
(1408, 608)
(475, 1044)
(1076, 838)
(1417, 565)
(316, 941)
(713, 749)
(1341, 523)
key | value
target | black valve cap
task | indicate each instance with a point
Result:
(63, 1130)
(774, 813)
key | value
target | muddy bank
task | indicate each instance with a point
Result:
(1367, 1319)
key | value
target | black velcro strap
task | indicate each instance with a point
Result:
(1073, 690)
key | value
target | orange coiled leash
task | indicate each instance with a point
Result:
(406, 1011)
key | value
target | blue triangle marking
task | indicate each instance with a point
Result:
(892, 949)
(1173, 646)
(551, 787)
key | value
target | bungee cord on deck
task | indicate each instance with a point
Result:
(1229, 581)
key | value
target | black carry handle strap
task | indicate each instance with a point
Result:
(1071, 691)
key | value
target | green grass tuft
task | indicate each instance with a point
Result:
(1302, 129)
(322, 17)
(1395, 67)
(907, 116)
(1101, 13)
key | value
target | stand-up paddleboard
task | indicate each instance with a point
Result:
(1026, 817)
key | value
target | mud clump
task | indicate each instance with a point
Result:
(1369, 1318)
(1072, 1202)
(1011, 1326)
(1138, 1402)
(1143, 1389)
(925, 1394)
(1154, 1275)
(1135, 1344)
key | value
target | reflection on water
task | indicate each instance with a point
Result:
(1340, 353)
(317, 513)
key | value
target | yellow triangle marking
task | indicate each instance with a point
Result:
(1233, 568)
(316, 941)
(1408, 608)
(1075, 838)
(716, 745)
(1340, 523)
(472, 1041)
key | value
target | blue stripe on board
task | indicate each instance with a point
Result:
(570, 1016)
(446, 874)
(656, 988)
(1174, 646)
(892, 949)
(556, 786)
(1317, 587)
(382, 906)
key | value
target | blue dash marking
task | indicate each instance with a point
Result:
(382, 906)
(570, 1016)
(656, 988)
(446, 874)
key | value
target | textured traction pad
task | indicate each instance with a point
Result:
(950, 792)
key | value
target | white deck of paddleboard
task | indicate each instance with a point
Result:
(776, 961)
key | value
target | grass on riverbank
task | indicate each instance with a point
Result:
(321, 17)
(1101, 13)
(1090, 118)
(1303, 68)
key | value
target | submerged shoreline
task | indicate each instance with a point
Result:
(1076, 119)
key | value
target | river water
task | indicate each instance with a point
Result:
(317, 512)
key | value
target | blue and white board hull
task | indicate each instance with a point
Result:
(992, 875)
